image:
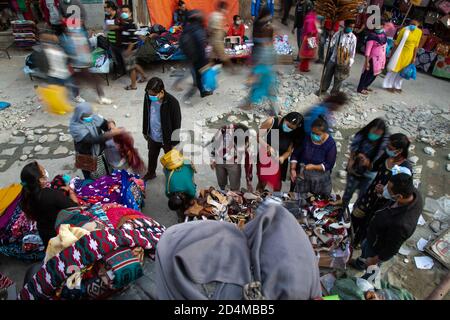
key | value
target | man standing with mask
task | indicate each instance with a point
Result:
(162, 117)
(342, 50)
(392, 225)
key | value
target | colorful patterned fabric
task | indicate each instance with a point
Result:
(5, 282)
(125, 266)
(115, 212)
(85, 252)
(15, 250)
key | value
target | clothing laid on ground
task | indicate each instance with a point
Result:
(186, 269)
(181, 180)
(8, 195)
(392, 226)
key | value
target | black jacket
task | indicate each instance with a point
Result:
(193, 42)
(391, 227)
(170, 118)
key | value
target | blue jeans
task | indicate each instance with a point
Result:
(353, 184)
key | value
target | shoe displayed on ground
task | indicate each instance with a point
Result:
(206, 93)
(104, 100)
(358, 264)
(79, 99)
(148, 177)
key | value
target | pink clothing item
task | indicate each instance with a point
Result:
(377, 53)
(390, 29)
(115, 212)
(309, 25)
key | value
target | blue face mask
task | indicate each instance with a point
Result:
(124, 15)
(88, 119)
(66, 178)
(316, 137)
(286, 128)
(387, 194)
(378, 31)
(391, 153)
(153, 98)
(412, 27)
(373, 136)
(348, 29)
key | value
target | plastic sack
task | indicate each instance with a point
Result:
(55, 99)
(409, 72)
(209, 78)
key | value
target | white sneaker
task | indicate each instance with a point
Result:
(79, 99)
(104, 100)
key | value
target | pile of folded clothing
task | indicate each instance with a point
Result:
(328, 231)
(120, 187)
(24, 32)
(98, 251)
(234, 207)
(18, 235)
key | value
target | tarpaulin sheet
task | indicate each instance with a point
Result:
(161, 11)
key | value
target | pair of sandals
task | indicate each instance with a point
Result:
(130, 87)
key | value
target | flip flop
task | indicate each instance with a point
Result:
(130, 88)
(142, 80)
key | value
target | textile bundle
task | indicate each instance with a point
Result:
(125, 145)
(101, 262)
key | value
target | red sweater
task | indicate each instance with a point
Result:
(240, 31)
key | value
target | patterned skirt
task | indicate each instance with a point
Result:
(315, 182)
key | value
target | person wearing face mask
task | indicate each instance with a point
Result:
(237, 29)
(392, 225)
(129, 42)
(375, 59)
(313, 161)
(90, 132)
(396, 154)
(42, 203)
(342, 51)
(180, 15)
(301, 10)
(404, 54)
(277, 138)
(367, 146)
(161, 118)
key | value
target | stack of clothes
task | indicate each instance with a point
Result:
(24, 32)
(120, 187)
(234, 207)
(98, 252)
(328, 231)
(18, 235)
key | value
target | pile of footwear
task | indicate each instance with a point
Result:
(326, 226)
(234, 207)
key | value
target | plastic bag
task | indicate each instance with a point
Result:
(55, 98)
(409, 72)
(209, 78)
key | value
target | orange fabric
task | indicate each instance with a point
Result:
(161, 11)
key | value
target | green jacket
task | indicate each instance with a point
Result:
(181, 180)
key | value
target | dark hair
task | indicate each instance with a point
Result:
(264, 12)
(29, 177)
(236, 17)
(400, 141)
(177, 201)
(222, 5)
(125, 6)
(111, 5)
(402, 184)
(155, 84)
(321, 124)
(195, 16)
(294, 118)
(336, 100)
(349, 22)
(377, 124)
(180, 3)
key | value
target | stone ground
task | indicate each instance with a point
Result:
(26, 121)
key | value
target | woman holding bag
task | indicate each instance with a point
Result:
(90, 133)
(308, 49)
(405, 53)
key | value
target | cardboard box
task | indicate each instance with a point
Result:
(285, 59)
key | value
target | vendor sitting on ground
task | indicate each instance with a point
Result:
(41, 203)
(180, 186)
(179, 16)
(392, 225)
(237, 29)
(229, 152)
(316, 157)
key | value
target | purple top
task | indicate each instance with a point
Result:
(311, 153)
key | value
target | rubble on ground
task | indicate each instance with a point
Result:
(16, 116)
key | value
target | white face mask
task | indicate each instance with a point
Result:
(386, 194)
